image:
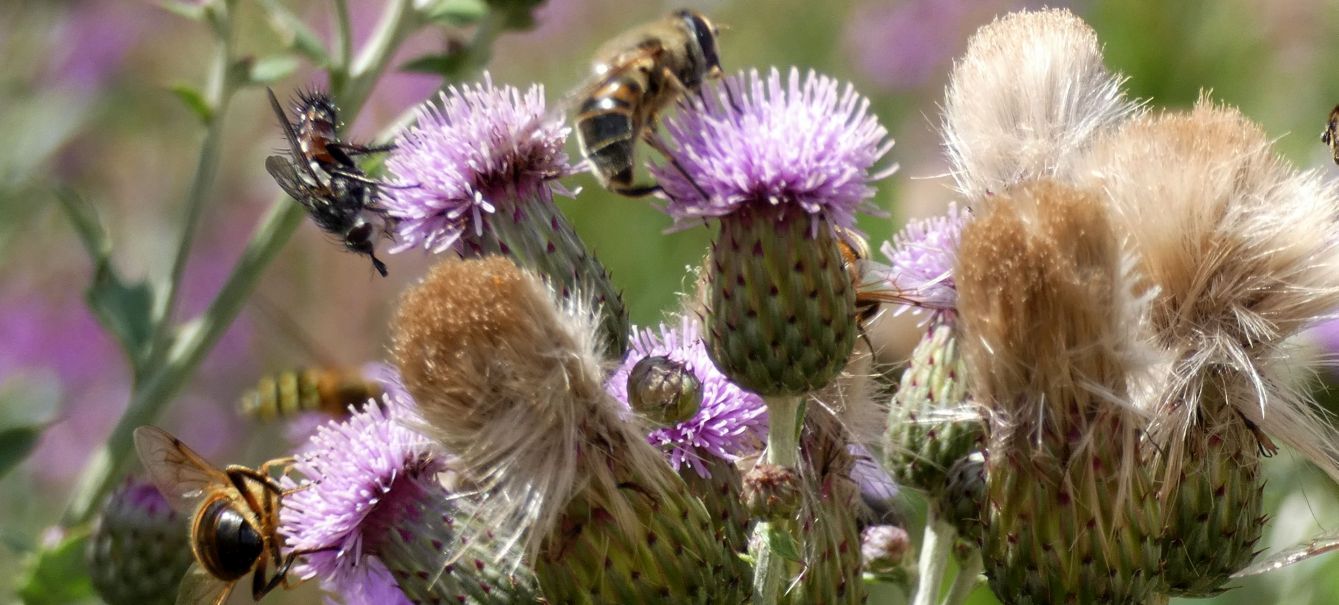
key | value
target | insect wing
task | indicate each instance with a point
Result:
(1296, 554)
(181, 475)
(199, 587)
(281, 168)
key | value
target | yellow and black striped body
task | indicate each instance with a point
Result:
(638, 74)
(288, 394)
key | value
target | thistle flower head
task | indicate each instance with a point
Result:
(1028, 95)
(364, 471)
(483, 142)
(803, 141)
(509, 378)
(921, 259)
(729, 424)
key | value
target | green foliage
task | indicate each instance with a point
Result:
(58, 574)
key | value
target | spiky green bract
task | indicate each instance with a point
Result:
(139, 549)
(510, 378)
(1241, 248)
(931, 423)
(782, 308)
(964, 499)
(1053, 341)
(721, 491)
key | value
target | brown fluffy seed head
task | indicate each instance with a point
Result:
(1051, 309)
(1241, 248)
(1030, 92)
(510, 380)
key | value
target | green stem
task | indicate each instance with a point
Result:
(344, 29)
(218, 93)
(784, 415)
(969, 577)
(398, 19)
(195, 339)
(935, 549)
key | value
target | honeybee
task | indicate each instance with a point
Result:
(327, 390)
(1316, 547)
(1330, 136)
(321, 175)
(234, 517)
(637, 75)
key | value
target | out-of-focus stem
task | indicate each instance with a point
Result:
(935, 549)
(193, 340)
(785, 415)
(398, 20)
(218, 92)
(969, 577)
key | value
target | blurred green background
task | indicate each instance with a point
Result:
(85, 105)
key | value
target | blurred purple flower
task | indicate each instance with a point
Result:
(921, 259)
(729, 424)
(483, 144)
(901, 45)
(801, 140)
(91, 43)
(370, 584)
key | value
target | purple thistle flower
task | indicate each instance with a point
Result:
(485, 143)
(921, 259)
(730, 423)
(801, 140)
(364, 472)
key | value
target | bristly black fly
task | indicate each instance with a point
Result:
(319, 172)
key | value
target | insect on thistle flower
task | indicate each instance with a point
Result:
(320, 174)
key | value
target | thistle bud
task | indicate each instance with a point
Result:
(771, 492)
(140, 548)
(663, 391)
(884, 548)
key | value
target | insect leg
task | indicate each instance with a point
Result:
(356, 149)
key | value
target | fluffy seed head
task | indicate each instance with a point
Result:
(510, 381)
(729, 424)
(483, 142)
(1050, 307)
(1241, 248)
(805, 141)
(1028, 95)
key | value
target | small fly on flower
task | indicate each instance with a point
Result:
(321, 175)
(234, 518)
(637, 75)
(1330, 136)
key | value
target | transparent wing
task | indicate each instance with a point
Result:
(289, 134)
(181, 475)
(198, 587)
(1296, 554)
(281, 168)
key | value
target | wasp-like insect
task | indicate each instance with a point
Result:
(234, 518)
(320, 174)
(637, 75)
(329, 390)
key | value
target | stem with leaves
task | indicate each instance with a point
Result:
(785, 418)
(184, 346)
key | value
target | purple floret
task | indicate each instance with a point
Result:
(731, 422)
(806, 141)
(454, 166)
(921, 259)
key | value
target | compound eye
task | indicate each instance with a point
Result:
(359, 238)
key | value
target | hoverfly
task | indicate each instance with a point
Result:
(321, 175)
(637, 75)
(234, 517)
(329, 390)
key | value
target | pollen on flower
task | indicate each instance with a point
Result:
(482, 143)
(806, 141)
(730, 422)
